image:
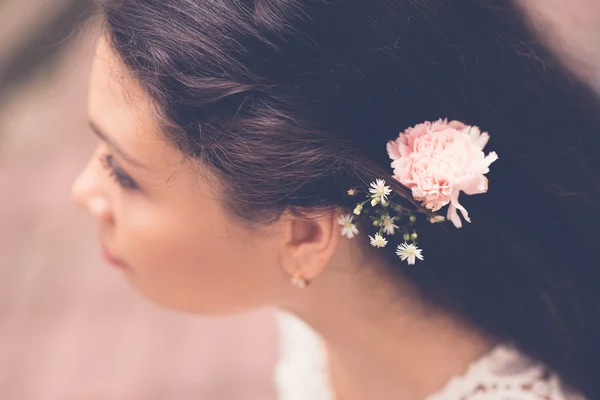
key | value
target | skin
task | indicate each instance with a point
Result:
(183, 250)
(180, 248)
(571, 29)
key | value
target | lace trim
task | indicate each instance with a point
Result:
(505, 374)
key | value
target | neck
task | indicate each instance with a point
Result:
(382, 342)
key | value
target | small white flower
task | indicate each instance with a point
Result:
(358, 209)
(349, 229)
(378, 240)
(352, 192)
(389, 228)
(379, 192)
(409, 252)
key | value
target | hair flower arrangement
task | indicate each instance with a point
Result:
(436, 161)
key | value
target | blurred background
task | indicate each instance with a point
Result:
(70, 327)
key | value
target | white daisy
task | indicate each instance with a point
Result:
(389, 228)
(378, 240)
(349, 229)
(379, 192)
(409, 252)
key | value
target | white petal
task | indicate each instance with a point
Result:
(490, 158)
(418, 254)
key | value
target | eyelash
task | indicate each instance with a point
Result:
(117, 173)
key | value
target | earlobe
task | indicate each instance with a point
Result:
(309, 245)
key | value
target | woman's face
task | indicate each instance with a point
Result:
(155, 214)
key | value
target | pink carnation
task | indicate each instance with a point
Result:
(438, 160)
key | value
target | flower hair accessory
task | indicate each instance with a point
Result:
(436, 161)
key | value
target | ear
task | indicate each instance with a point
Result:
(309, 243)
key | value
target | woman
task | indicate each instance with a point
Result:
(309, 155)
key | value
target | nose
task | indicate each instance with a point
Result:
(89, 192)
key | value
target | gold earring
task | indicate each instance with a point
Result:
(299, 281)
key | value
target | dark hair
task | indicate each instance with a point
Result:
(292, 102)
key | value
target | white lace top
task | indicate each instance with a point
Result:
(504, 374)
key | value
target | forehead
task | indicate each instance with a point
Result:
(116, 101)
(124, 112)
(119, 106)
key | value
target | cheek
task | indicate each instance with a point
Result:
(198, 264)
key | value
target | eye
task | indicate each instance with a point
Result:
(117, 173)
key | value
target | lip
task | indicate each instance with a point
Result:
(108, 256)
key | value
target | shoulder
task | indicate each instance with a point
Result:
(502, 374)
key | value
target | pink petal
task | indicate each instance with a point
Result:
(476, 185)
(393, 149)
(482, 140)
(453, 216)
(490, 158)
(457, 125)
(462, 210)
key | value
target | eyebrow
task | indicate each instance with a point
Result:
(114, 146)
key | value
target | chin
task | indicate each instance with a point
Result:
(197, 307)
